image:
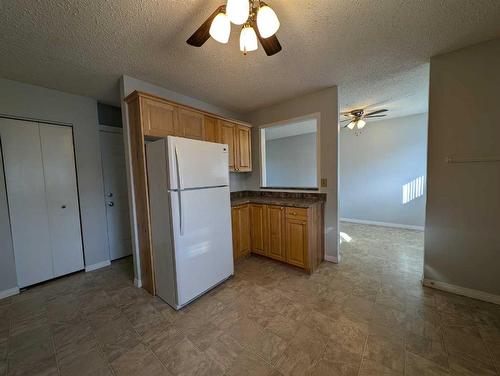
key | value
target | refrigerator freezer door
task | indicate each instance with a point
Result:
(196, 164)
(204, 252)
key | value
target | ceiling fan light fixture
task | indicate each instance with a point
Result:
(351, 124)
(267, 21)
(361, 124)
(220, 29)
(238, 11)
(248, 39)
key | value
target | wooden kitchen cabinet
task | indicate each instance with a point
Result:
(258, 228)
(226, 134)
(210, 124)
(276, 232)
(159, 119)
(296, 241)
(191, 124)
(240, 218)
(288, 234)
(243, 149)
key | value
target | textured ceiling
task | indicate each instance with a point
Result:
(373, 50)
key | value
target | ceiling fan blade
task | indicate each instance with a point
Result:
(271, 45)
(201, 35)
(347, 120)
(375, 116)
(376, 112)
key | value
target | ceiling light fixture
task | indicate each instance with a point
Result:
(238, 11)
(220, 29)
(354, 118)
(259, 20)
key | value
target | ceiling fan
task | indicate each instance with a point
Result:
(355, 118)
(258, 20)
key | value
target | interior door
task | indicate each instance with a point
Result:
(115, 194)
(62, 198)
(24, 179)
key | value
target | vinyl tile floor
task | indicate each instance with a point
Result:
(367, 316)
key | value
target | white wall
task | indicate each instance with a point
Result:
(291, 161)
(324, 103)
(37, 103)
(375, 165)
(127, 86)
(462, 238)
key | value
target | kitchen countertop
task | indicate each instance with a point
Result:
(279, 201)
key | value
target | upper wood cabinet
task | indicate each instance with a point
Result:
(210, 124)
(244, 149)
(238, 138)
(191, 124)
(159, 119)
(276, 232)
(226, 134)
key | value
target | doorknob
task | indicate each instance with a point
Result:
(63, 206)
(110, 194)
(111, 203)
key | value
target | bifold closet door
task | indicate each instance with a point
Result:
(62, 198)
(43, 199)
(23, 168)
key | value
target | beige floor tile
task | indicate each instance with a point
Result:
(428, 348)
(328, 368)
(138, 360)
(249, 365)
(418, 366)
(388, 354)
(85, 363)
(268, 346)
(466, 365)
(374, 368)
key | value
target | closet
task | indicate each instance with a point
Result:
(40, 180)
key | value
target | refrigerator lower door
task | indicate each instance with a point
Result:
(196, 164)
(201, 225)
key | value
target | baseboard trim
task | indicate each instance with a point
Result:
(99, 265)
(10, 292)
(331, 259)
(385, 224)
(137, 283)
(470, 293)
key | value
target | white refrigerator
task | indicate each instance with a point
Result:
(190, 217)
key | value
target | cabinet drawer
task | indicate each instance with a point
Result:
(296, 213)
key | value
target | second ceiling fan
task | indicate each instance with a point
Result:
(259, 23)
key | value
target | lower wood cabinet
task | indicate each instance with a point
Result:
(288, 234)
(241, 231)
(276, 232)
(258, 228)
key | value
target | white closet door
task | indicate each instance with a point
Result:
(62, 198)
(26, 196)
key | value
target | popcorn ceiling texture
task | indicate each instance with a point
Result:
(372, 50)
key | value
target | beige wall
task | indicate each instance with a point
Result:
(324, 103)
(462, 240)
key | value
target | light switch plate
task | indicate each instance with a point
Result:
(324, 183)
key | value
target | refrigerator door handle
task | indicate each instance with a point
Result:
(179, 192)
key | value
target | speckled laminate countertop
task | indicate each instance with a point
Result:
(277, 198)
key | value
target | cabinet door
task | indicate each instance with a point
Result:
(244, 238)
(257, 226)
(210, 125)
(159, 119)
(296, 242)
(227, 135)
(244, 149)
(191, 124)
(275, 232)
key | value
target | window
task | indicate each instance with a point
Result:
(289, 155)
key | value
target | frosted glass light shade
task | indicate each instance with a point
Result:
(238, 11)
(248, 39)
(361, 124)
(267, 21)
(351, 125)
(220, 28)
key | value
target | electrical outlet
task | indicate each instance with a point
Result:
(324, 183)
